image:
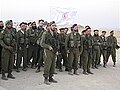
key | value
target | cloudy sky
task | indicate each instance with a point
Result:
(96, 13)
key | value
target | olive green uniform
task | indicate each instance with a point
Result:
(49, 38)
(40, 49)
(15, 47)
(81, 56)
(87, 53)
(112, 42)
(74, 44)
(0, 49)
(63, 52)
(104, 47)
(33, 47)
(96, 50)
(7, 41)
(22, 42)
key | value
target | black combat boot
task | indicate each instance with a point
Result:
(89, 72)
(4, 77)
(24, 69)
(10, 76)
(33, 67)
(104, 65)
(96, 67)
(17, 70)
(66, 69)
(70, 72)
(46, 81)
(52, 80)
(75, 72)
(38, 70)
(114, 64)
(85, 73)
(60, 70)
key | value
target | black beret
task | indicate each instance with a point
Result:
(103, 31)
(61, 29)
(84, 31)
(33, 22)
(96, 30)
(1, 21)
(11, 20)
(29, 23)
(74, 25)
(41, 20)
(111, 31)
(23, 23)
(87, 27)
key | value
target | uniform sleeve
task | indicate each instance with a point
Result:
(17, 36)
(94, 42)
(60, 40)
(81, 48)
(115, 41)
(108, 41)
(66, 41)
(101, 41)
(42, 42)
(1, 41)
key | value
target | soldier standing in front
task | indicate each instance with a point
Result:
(49, 43)
(7, 41)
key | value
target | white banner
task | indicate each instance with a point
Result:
(63, 16)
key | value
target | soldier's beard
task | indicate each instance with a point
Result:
(9, 27)
(1, 27)
(52, 30)
(111, 34)
(34, 27)
(75, 30)
(95, 34)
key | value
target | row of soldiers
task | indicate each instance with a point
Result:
(42, 46)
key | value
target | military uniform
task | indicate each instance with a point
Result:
(32, 50)
(96, 50)
(22, 42)
(62, 53)
(49, 39)
(0, 50)
(7, 41)
(40, 49)
(15, 47)
(74, 45)
(87, 54)
(104, 47)
(112, 42)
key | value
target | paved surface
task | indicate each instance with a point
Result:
(103, 79)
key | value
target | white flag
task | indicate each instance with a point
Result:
(63, 16)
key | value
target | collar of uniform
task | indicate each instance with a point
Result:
(75, 33)
(22, 31)
(51, 32)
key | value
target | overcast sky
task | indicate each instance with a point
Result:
(96, 13)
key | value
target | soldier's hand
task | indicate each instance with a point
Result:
(50, 48)
(27, 46)
(10, 48)
(20, 48)
(68, 51)
(57, 53)
(99, 43)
